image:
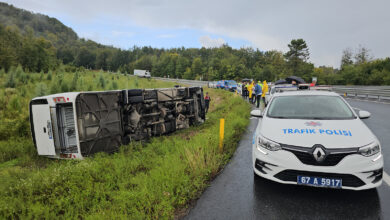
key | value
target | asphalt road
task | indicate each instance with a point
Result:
(237, 194)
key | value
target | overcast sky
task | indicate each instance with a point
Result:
(327, 26)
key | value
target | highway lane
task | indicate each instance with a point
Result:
(237, 194)
(379, 123)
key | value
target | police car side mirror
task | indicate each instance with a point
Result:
(257, 113)
(364, 114)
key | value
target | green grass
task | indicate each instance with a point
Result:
(148, 181)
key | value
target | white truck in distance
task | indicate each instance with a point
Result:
(142, 73)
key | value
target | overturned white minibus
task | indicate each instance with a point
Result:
(79, 124)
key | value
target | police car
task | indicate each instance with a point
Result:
(315, 138)
(278, 88)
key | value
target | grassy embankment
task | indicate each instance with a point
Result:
(149, 181)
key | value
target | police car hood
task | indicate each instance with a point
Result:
(306, 133)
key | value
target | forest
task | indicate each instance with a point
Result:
(39, 43)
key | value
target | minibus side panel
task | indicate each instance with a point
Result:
(99, 122)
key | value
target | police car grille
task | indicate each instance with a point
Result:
(347, 179)
(308, 158)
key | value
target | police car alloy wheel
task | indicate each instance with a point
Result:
(315, 138)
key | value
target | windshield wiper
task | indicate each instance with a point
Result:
(324, 118)
(277, 116)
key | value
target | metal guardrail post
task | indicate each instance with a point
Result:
(381, 93)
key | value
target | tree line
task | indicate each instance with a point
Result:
(40, 43)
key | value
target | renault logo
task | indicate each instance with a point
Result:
(319, 154)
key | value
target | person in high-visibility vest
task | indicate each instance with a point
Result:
(265, 90)
(250, 89)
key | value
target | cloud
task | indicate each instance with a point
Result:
(328, 26)
(208, 42)
(117, 33)
(166, 36)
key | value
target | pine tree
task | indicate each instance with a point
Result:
(73, 86)
(41, 76)
(24, 78)
(49, 75)
(41, 89)
(114, 85)
(54, 88)
(101, 81)
(11, 81)
(19, 71)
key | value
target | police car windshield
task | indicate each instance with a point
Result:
(309, 107)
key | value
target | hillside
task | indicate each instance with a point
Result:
(42, 25)
(40, 43)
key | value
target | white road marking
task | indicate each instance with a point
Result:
(386, 178)
(252, 117)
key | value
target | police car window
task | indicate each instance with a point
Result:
(309, 107)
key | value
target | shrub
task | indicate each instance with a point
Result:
(19, 71)
(64, 86)
(80, 84)
(73, 86)
(54, 88)
(14, 105)
(41, 76)
(24, 78)
(114, 85)
(41, 89)
(60, 77)
(23, 92)
(12, 149)
(101, 81)
(49, 75)
(11, 81)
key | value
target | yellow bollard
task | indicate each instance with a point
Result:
(221, 133)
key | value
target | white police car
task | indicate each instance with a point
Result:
(315, 138)
(278, 88)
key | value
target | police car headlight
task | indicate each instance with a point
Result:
(370, 150)
(267, 144)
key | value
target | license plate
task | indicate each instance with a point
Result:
(319, 181)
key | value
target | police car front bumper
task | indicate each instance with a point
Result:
(356, 171)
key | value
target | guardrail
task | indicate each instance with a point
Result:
(373, 92)
(367, 92)
(184, 81)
